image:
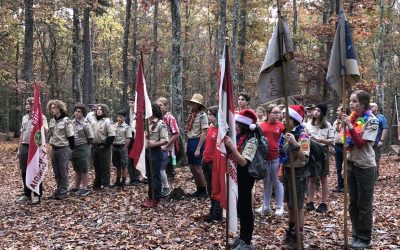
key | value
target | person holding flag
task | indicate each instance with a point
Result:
(22, 152)
(294, 143)
(243, 153)
(157, 137)
(61, 132)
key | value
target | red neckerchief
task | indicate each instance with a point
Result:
(241, 141)
(190, 121)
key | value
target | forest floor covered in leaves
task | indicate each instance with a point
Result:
(115, 219)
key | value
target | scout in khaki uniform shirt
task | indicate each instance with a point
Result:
(81, 153)
(196, 129)
(362, 129)
(158, 137)
(61, 132)
(295, 144)
(104, 134)
(123, 135)
(22, 152)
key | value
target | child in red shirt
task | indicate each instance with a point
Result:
(215, 213)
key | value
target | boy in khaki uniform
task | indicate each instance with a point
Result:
(61, 132)
(104, 134)
(81, 152)
(123, 135)
(22, 152)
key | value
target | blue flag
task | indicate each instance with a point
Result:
(343, 61)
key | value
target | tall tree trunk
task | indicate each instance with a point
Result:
(154, 54)
(76, 57)
(88, 81)
(176, 75)
(18, 102)
(242, 43)
(125, 63)
(378, 58)
(185, 57)
(294, 25)
(134, 46)
(235, 25)
(220, 41)
(28, 41)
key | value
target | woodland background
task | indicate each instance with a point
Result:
(87, 50)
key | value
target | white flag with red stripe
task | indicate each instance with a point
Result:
(223, 165)
(37, 154)
(143, 111)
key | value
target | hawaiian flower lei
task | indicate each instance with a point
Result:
(358, 124)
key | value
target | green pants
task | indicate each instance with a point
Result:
(361, 190)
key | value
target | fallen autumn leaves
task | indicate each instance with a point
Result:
(115, 220)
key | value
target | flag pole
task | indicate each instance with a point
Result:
(344, 106)
(227, 170)
(292, 171)
(146, 121)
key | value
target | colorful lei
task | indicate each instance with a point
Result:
(358, 124)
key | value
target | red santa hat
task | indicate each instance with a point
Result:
(248, 117)
(297, 112)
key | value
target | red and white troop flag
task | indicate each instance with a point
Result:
(37, 154)
(223, 164)
(143, 111)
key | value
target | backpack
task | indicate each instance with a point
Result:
(258, 167)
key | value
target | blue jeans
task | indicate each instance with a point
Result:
(339, 164)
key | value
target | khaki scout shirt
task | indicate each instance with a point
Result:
(200, 123)
(304, 143)
(365, 157)
(122, 132)
(158, 131)
(102, 129)
(26, 127)
(83, 131)
(321, 133)
(59, 130)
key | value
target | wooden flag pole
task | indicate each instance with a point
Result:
(227, 167)
(292, 170)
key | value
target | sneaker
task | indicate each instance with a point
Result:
(354, 241)
(83, 192)
(322, 208)
(243, 246)
(22, 199)
(279, 211)
(73, 190)
(361, 244)
(35, 200)
(235, 242)
(263, 210)
(310, 206)
(165, 192)
(61, 196)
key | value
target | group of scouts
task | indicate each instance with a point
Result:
(94, 136)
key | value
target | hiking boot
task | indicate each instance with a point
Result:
(165, 192)
(263, 210)
(199, 194)
(23, 199)
(150, 203)
(213, 217)
(322, 208)
(54, 195)
(310, 206)
(279, 211)
(290, 237)
(361, 244)
(83, 192)
(35, 200)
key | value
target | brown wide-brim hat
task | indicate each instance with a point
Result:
(196, 98)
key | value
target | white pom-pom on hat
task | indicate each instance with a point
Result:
(252, 126)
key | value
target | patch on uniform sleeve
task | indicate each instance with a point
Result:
(372, 125)
(249, 150)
